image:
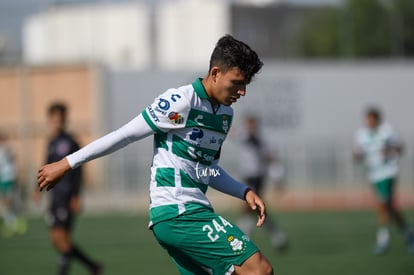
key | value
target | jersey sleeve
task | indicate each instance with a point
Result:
(134, 130)
(224, 183)
(168, 111)
(76, 174)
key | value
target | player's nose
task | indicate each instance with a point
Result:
(241, 92)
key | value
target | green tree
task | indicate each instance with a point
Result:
(360, 28)
(371, 34)
(406, 13)
(318, 36)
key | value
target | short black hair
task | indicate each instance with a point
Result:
(230, 52)
(374, 112)
(57, 107)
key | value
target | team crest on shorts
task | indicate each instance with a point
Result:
(175, 118)
(237, 245)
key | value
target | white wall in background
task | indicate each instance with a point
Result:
(116, 35)
(186, 32)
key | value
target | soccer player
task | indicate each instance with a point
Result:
(189, 125)
(12, 223)
(380, 147)
(254, 164)
(64, 199)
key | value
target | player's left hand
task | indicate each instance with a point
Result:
(256, 204)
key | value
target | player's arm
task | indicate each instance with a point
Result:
(399, 149)
(394, 145)
(223, 182)
(135, 130)
(168, 111)
(357, 149)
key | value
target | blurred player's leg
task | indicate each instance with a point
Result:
(383, 239)
(247, 221)
(277, 237)
(387, 212)
(404, 228)
(383, 235)
(409, 237)
(9, 220)
(400, 221)
(61, 240)
(12, 223)
(60, 222)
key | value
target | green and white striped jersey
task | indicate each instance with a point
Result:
(189, 133)
(7, 168)
(373, 144)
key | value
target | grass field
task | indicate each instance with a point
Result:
(321, 243)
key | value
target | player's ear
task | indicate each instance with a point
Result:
(214, 73)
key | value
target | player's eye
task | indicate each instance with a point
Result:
(238, 82)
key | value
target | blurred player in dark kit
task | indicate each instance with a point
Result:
(64, 199)
(255, 162)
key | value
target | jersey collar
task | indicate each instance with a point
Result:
(199, 88)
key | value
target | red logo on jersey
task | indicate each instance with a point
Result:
(175, 118)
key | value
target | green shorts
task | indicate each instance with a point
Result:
(6, 189)
(385, 189)
(203, 242)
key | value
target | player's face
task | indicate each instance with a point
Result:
(251, 125)
(56, 123)
(371, 121)
(230, 85)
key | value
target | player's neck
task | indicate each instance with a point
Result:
(56, 134)
(207, 86)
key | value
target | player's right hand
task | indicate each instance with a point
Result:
(49, 174)
(257, 205)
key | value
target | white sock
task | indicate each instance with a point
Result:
(383, 236)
